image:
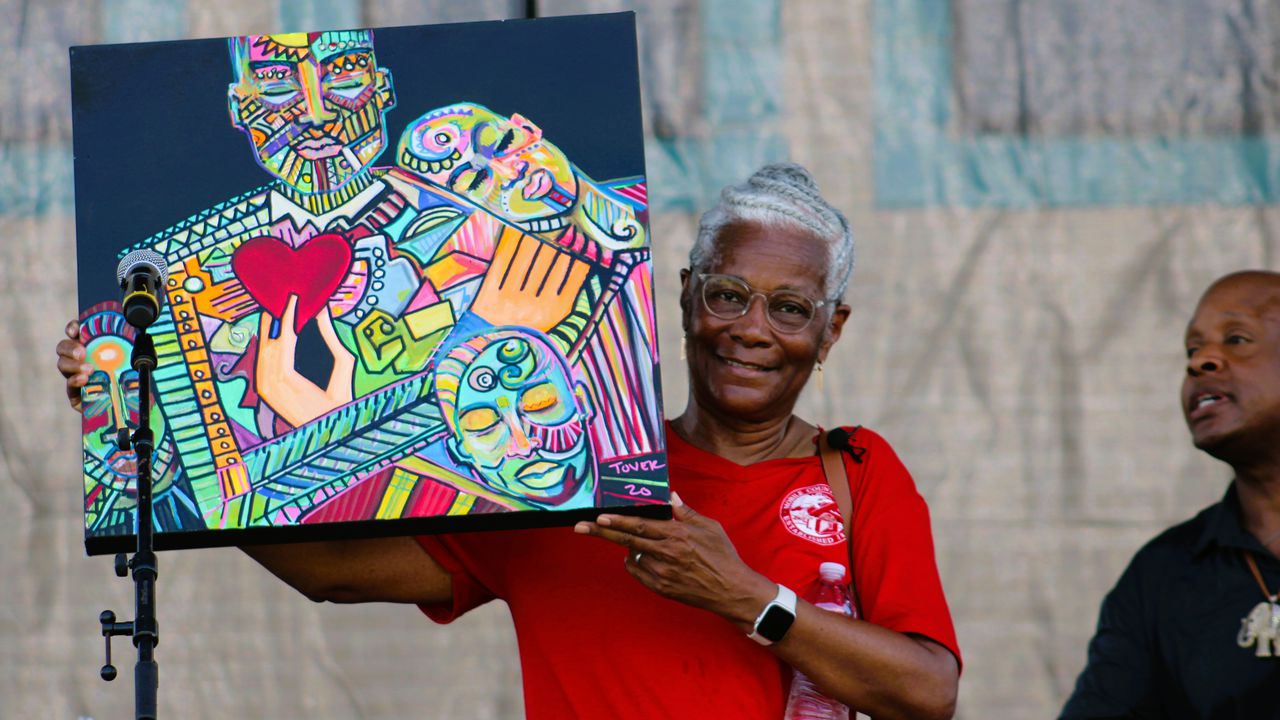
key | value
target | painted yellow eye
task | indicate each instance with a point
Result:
(489, 135)
(478, 420)
(539, 397)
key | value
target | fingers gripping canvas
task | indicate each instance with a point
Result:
(409, 281)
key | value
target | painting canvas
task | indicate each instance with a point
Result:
(409, 284)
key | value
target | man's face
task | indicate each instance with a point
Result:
(502, 164)
(110, 403)
(1231, 392)
(520, 424)
(312, 105)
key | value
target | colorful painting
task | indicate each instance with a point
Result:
(443, 324)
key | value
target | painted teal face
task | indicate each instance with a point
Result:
(522, 424)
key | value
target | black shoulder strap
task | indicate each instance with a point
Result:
(838, 479)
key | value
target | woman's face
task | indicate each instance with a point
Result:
(744, 367)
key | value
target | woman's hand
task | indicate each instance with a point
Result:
(689, 559)
(72, 365)
(881, 672)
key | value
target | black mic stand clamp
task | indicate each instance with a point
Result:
(144, 629)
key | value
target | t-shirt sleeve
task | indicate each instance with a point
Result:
(1117, 680)
(462, 556)
(895, 570)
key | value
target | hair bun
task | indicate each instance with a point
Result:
(781, 193)
(785, 173)
(788, 182)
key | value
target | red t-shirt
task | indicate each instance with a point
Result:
(595, 643)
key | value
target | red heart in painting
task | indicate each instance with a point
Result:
(271, 271)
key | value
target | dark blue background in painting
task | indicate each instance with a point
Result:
(154, 143)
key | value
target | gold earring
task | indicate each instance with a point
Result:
(683, 354)
(818, 381)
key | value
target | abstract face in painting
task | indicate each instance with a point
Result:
(501, 163)
(312, 104)
(110, 401)
(518, 419)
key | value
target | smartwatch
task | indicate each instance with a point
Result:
(775, 620)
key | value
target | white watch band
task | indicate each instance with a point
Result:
(785, 600)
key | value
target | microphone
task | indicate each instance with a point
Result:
(142, 274)
(841, 439)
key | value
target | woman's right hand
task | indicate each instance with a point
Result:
(72, 365)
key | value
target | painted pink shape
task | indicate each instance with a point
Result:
(426, 297)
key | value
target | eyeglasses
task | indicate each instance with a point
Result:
(729, 298)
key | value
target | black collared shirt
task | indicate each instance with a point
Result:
(1166, 640)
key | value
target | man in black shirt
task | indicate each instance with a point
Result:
(1191, 628)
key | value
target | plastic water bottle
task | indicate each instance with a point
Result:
(806, 701)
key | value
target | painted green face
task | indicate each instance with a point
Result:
(312, 104)
(522, 424)
(110, 402)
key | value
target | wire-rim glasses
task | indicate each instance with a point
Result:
(728, 298)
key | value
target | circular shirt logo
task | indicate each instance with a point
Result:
(811, 513)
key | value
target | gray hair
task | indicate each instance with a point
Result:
(780, 194)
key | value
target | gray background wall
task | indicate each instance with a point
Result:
(1033, 233)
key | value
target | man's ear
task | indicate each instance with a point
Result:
(835, 326)
(386, 90)
(233, 105)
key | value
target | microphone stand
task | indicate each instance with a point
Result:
(144, 629)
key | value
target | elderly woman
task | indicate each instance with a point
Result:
(658, 619)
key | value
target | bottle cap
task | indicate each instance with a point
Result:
(831, 571)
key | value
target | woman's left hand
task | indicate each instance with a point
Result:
(689, 559)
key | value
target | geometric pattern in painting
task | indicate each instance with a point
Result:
(306, 320)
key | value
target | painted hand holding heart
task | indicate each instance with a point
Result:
(293, 285)
(271, 271)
